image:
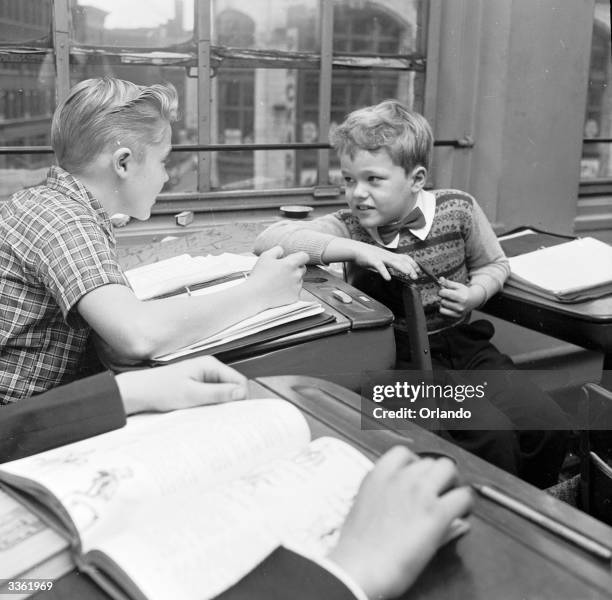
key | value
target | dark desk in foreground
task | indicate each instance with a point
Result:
(503, 556)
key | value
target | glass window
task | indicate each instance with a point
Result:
(267, 24)
(133, 23)
(26, 21)
(264, 86)
(378, 28)
(596, 159)
(27, 101)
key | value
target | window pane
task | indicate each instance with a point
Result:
(381, 27)
(186, 87)
(26, 21)
(267, 24)
(132, 23)
(597, 158)
(264, 169)
(27, 97)
(262, 106)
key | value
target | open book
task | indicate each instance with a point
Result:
(29, 548)
(572, 271)
(184, 273)
(183, 505)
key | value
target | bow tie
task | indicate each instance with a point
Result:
(415, 219)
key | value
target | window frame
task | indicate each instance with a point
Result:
(202, 59)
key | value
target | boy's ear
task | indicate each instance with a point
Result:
(419, 178)
(121, 161)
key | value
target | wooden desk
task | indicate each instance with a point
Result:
(503, 556)
(587, 324)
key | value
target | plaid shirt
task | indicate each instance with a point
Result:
(56, 245)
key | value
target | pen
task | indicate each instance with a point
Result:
(427, 270)
(569, 535)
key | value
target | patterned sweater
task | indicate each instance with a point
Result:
(460, 246)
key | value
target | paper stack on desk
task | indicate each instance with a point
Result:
(573, 271)
(266, 319)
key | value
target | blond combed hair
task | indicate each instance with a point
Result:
(106, 112)
(390, 126)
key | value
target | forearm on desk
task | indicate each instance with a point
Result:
(140, 330)
(312, 237)
(60, 416)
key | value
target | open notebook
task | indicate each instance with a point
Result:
(184, 273)
(570, 271)
(183, 505)
(200, 275)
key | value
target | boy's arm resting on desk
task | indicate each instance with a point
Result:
(100, 403)
(402, 514)
(139, 330)
(311, 237)
(65, 414)
(327, 239)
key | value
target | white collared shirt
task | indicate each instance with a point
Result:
(426, 201)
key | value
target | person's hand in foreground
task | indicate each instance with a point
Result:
(402, 514)
(194, 382)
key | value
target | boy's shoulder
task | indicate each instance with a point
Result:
(447, 195)
(41, 203)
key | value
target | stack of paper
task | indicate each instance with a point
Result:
(573, 271)
(175, 275)
(266, 319)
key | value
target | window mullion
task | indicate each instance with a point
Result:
(326, 27)
(203, 34)
(61, 45)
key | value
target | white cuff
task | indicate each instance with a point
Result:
(334, 569)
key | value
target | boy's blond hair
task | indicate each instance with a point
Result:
(109, 113)
(405, 135)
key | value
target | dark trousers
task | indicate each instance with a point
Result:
(519, 427)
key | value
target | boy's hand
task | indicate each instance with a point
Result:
(278, 280)
(401, 515)
(457, 299)
(367, 255)
(194, 382)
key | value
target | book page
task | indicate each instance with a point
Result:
(565, 268)
(181, 271)
(107, 478)
(197, 549)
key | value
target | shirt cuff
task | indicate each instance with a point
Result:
(331, 567)
(489, 284)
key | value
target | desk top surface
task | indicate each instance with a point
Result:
(504, 555)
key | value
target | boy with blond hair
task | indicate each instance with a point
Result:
(394, 225)
(60, 277)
